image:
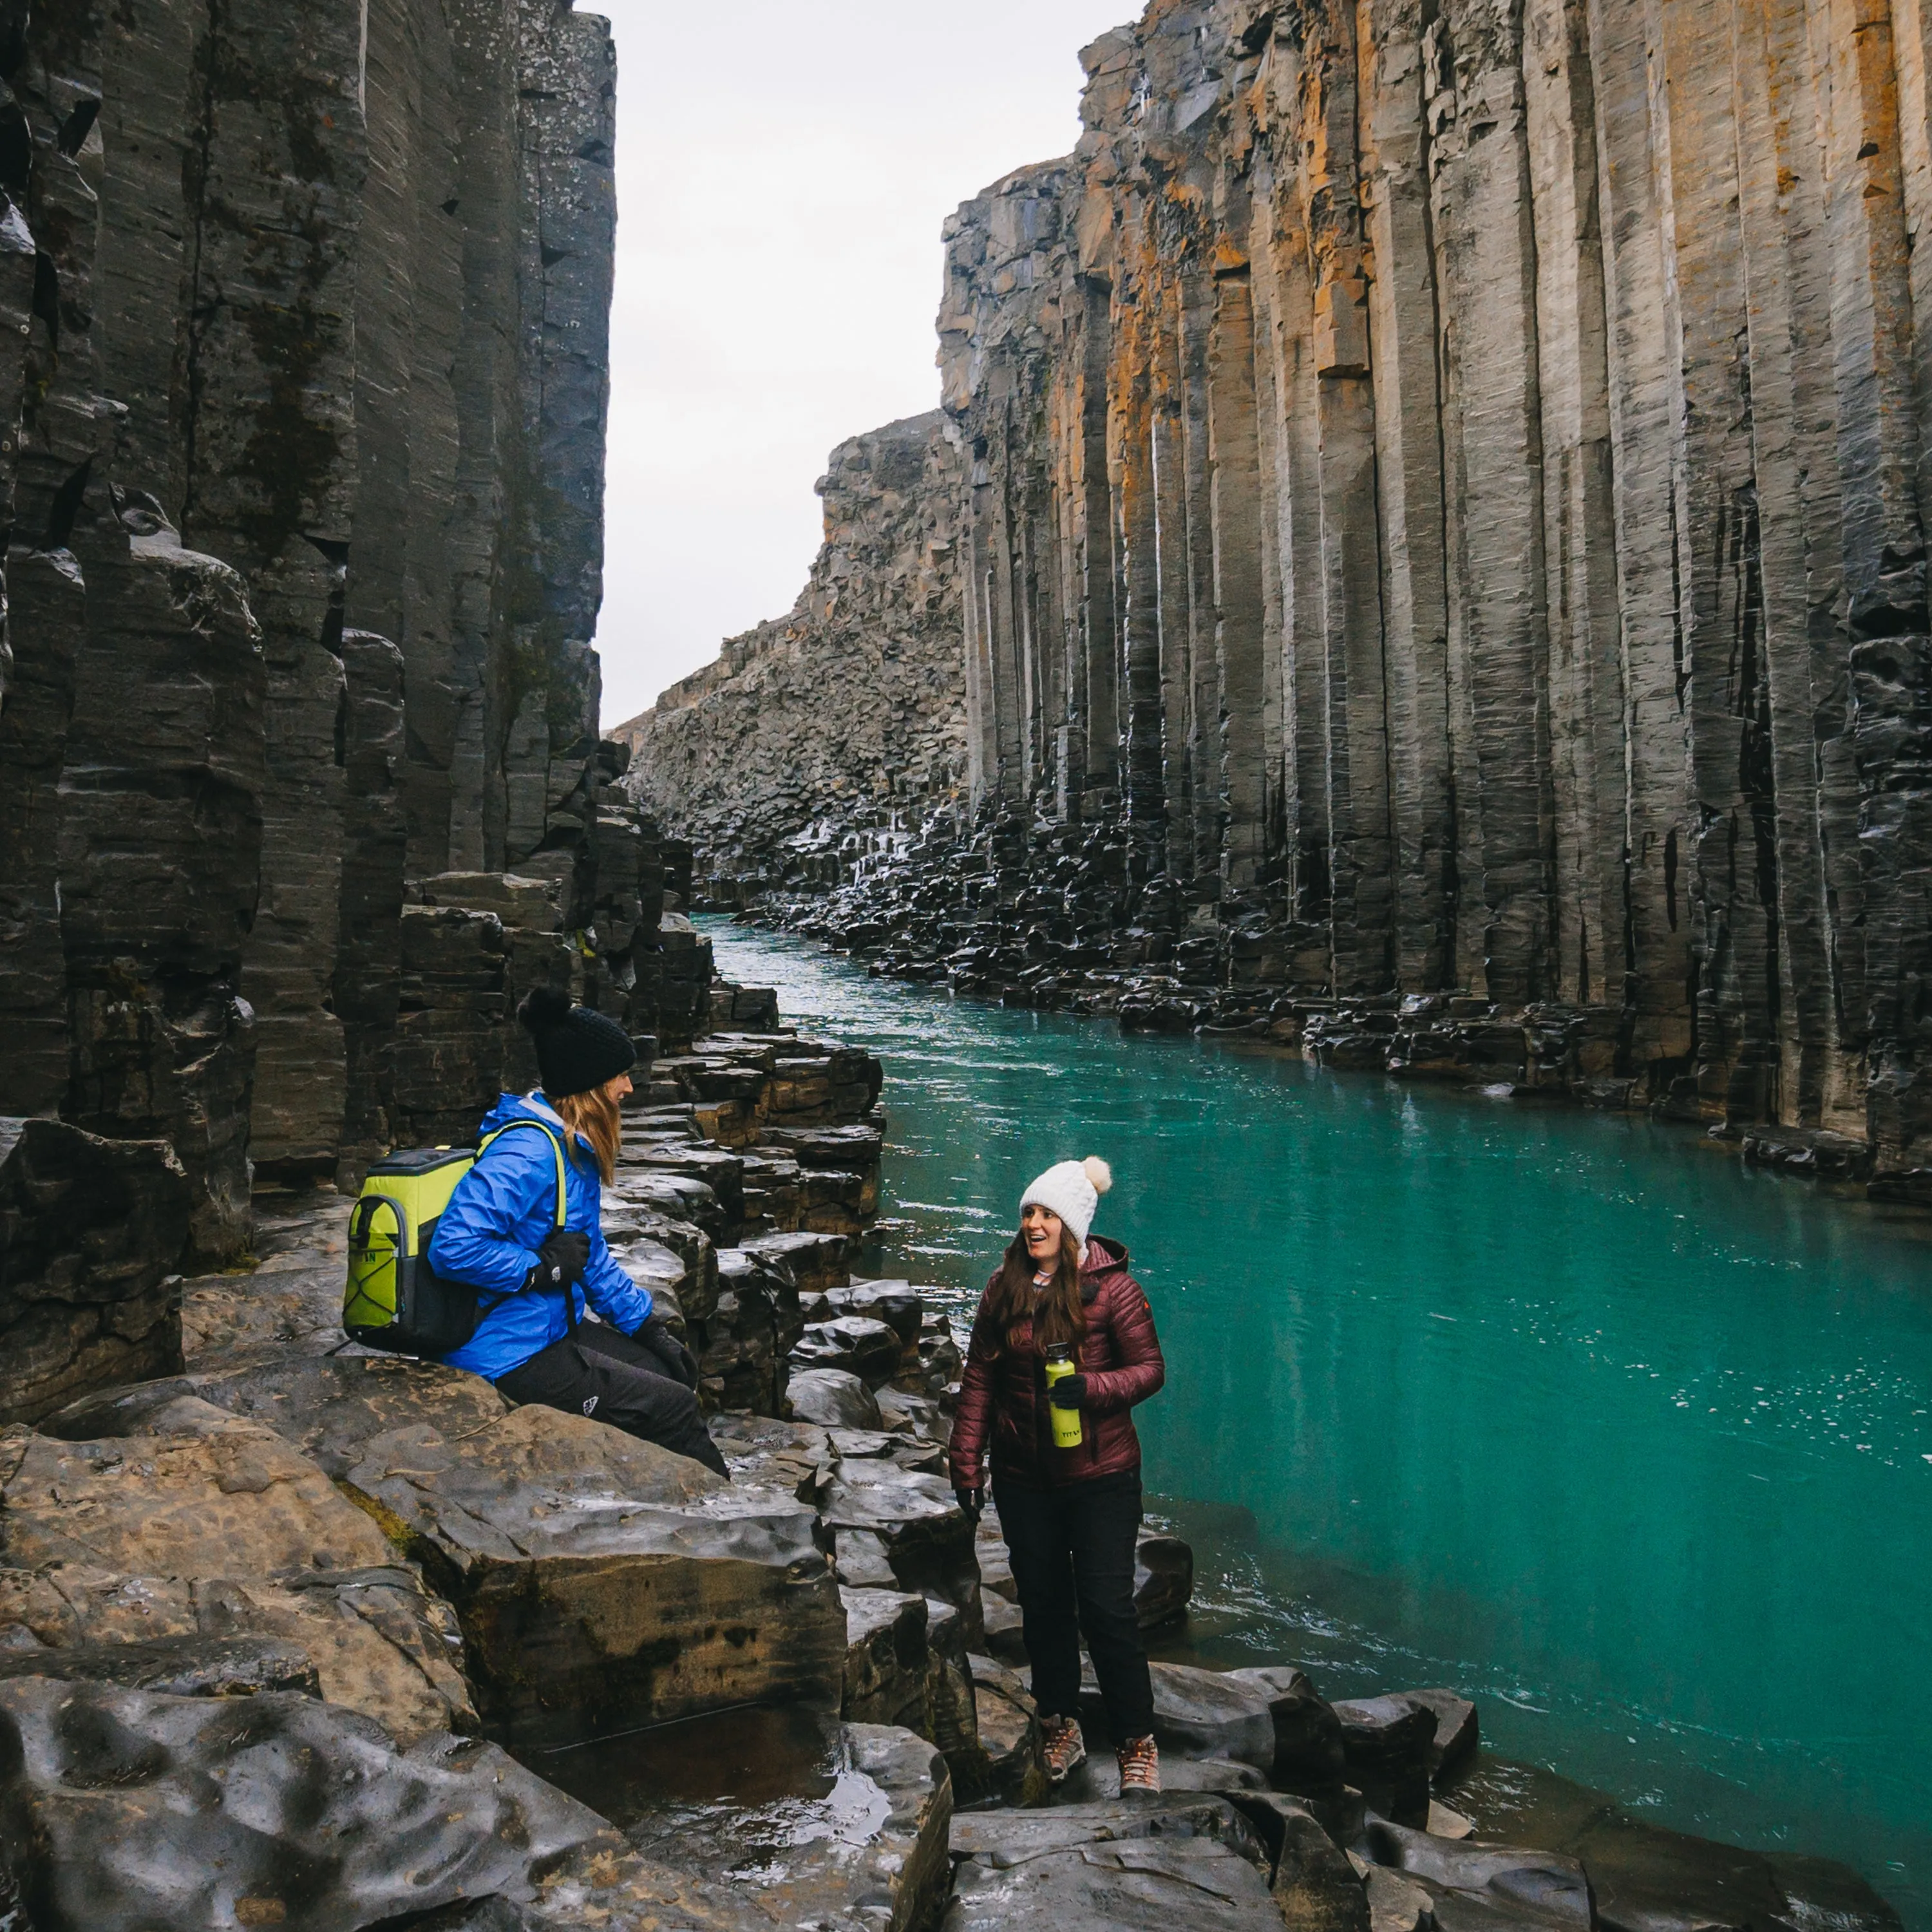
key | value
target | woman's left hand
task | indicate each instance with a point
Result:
(1069, 1392)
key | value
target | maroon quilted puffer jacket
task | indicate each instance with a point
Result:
(1002, 1392)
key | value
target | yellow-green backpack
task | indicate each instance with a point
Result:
(394, 1300)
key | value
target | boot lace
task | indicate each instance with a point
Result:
(1140, 1764)
(1064, 1748)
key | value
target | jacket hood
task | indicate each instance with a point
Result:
(526, 1107)
(1102, 1259)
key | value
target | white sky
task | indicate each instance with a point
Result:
(783, 168)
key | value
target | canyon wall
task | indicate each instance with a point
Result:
(1448, 482)
(852, 704)
(1443, 535)
(303, 322)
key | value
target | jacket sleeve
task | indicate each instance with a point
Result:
(1142, 1370)
(972, 1422)
(476, 1239)
(609, 1290)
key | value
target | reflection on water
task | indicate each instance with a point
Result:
(1571, 1411)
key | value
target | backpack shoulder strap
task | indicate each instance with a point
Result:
(550, 1134)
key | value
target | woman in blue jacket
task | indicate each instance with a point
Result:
(499, 1235)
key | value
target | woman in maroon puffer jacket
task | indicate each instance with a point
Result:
(1071, 1517)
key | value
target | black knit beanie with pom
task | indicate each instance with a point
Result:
(577, 1049)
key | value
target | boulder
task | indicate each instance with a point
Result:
(855, 1343)
(814, 1263)
(1007, 1731)
(123, 1809)
(1458, 1731)
(603, 1583)
(836, 1397)
(1197, 1714)
(1006, 1628)
(886, 1658)
(873, 1853)
(900, 1306)
(376, 1642)
(1556, 1889)
(90, 1231)
(1398, 1904)
(1385, 1742)
(1315, 1885)
(1308, 1749)
(927, 1538)
(1143, 1866)
(326, 1406)
(187, 1503)
(1163, 1581)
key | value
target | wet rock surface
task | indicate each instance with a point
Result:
(91, 1232)
(321, 1821)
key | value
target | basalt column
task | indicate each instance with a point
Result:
(274, 194)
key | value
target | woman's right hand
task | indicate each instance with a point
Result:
(973, 1502)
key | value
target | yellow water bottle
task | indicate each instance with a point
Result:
(1066, 1431)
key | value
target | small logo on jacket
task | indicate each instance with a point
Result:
(590, 1404)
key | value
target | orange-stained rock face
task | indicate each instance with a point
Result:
(1440, 510)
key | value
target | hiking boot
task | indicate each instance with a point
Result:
(1140, 1766)
(1065, 1748)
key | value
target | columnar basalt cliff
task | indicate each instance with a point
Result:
(1444, 553)
(850, 704)
(301, 436)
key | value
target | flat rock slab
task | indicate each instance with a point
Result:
(603, 1582)
(290, 1304)
(1002, 1839)
(126, 1810)
(1506, 1878)
(177, 1666)
(185, 1504)
(328, 1407)
(1153, 1884)
(834, 1397)
(1197, 1714)
(872, 1854)
(377, 1642)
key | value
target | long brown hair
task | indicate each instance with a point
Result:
(1061, 1317)
(595, 1117)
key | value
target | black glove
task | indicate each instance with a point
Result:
(973, 1502)
(561, 1260)
(1069, 1392)
(656, 1335)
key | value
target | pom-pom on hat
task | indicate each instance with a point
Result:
(1072, 1190)
(577, 1049)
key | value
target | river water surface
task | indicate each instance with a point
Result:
(1571, 1412)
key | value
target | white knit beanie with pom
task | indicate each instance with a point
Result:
(1072, 1190)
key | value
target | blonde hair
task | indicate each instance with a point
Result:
(595, 1117)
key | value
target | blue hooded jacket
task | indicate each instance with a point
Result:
(502, 1210)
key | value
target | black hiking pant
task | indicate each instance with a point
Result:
(599, 1372)
(1072, 1553)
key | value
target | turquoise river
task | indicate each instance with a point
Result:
(1572, 1412)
